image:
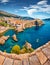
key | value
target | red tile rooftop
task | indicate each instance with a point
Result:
(40, 56)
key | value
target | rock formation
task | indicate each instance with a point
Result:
(3, 39)
(28, 45)
(38, 22)
(14, 37)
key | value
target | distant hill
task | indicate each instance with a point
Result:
(47, 19)
(27, 18)
(6, 14)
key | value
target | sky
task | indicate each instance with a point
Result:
(30, 8)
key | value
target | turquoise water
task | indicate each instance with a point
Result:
(37, 36)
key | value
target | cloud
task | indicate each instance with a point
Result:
(30, 11)
(40, 6)
(4, 1)
(42, 2)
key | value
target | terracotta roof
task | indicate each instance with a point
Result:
(40, 56)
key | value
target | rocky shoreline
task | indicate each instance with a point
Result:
(29, 24)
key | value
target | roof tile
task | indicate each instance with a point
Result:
(2, 58)
(8, 61)
(17, 62)
(47, 63)
(33, 60)
(46, 51)
(42, 58)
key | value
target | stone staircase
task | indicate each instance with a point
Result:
(40, 56)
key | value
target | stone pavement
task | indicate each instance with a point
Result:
(40, 56)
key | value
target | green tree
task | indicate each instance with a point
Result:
(15, 49)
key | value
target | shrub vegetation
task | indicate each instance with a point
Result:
(16, 49)
(3, 24)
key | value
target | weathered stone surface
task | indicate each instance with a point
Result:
(8, 61)
(33, 60)
(42, 58)
(17, 62)
(47, 63)
(2, 58)
(47, 51)
(25, 62)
